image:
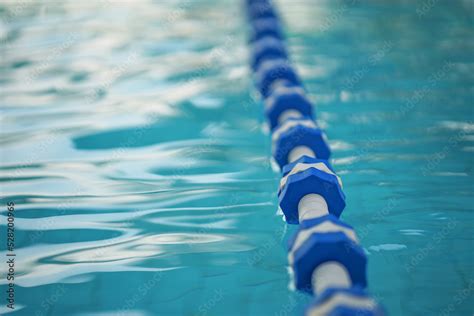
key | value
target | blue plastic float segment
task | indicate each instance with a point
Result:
(299, 135)
(261, 9)
(289, 99)
(335, 247)
(306, 224)
(280, 84)
(305, 159)
(321, 247)
(267, 48)
(266, 27)
(313, 222)
(331, 302)
(250, 2)
(310, 181)
(272, 71)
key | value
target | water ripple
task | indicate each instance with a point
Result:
(142, 181)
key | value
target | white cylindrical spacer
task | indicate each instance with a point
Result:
(285, 115)
(312, 206)
(329, 274)
(300, 151)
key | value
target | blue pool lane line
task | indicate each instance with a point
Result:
(325, 257)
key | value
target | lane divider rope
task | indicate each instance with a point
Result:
(324, 255)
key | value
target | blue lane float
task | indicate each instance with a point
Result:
(274, 73)
(265, 49)
(263, 27)
(324, 255)
(285, 103)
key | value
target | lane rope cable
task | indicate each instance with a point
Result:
(324, 255)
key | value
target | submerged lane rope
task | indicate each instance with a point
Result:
(324, 255)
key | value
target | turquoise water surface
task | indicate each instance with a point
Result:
(134, 150)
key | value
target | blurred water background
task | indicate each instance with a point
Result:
(132, 147)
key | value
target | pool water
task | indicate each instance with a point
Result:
(134, 150)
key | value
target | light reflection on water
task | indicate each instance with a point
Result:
(134, 152)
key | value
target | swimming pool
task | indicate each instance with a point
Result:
(134, 150)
